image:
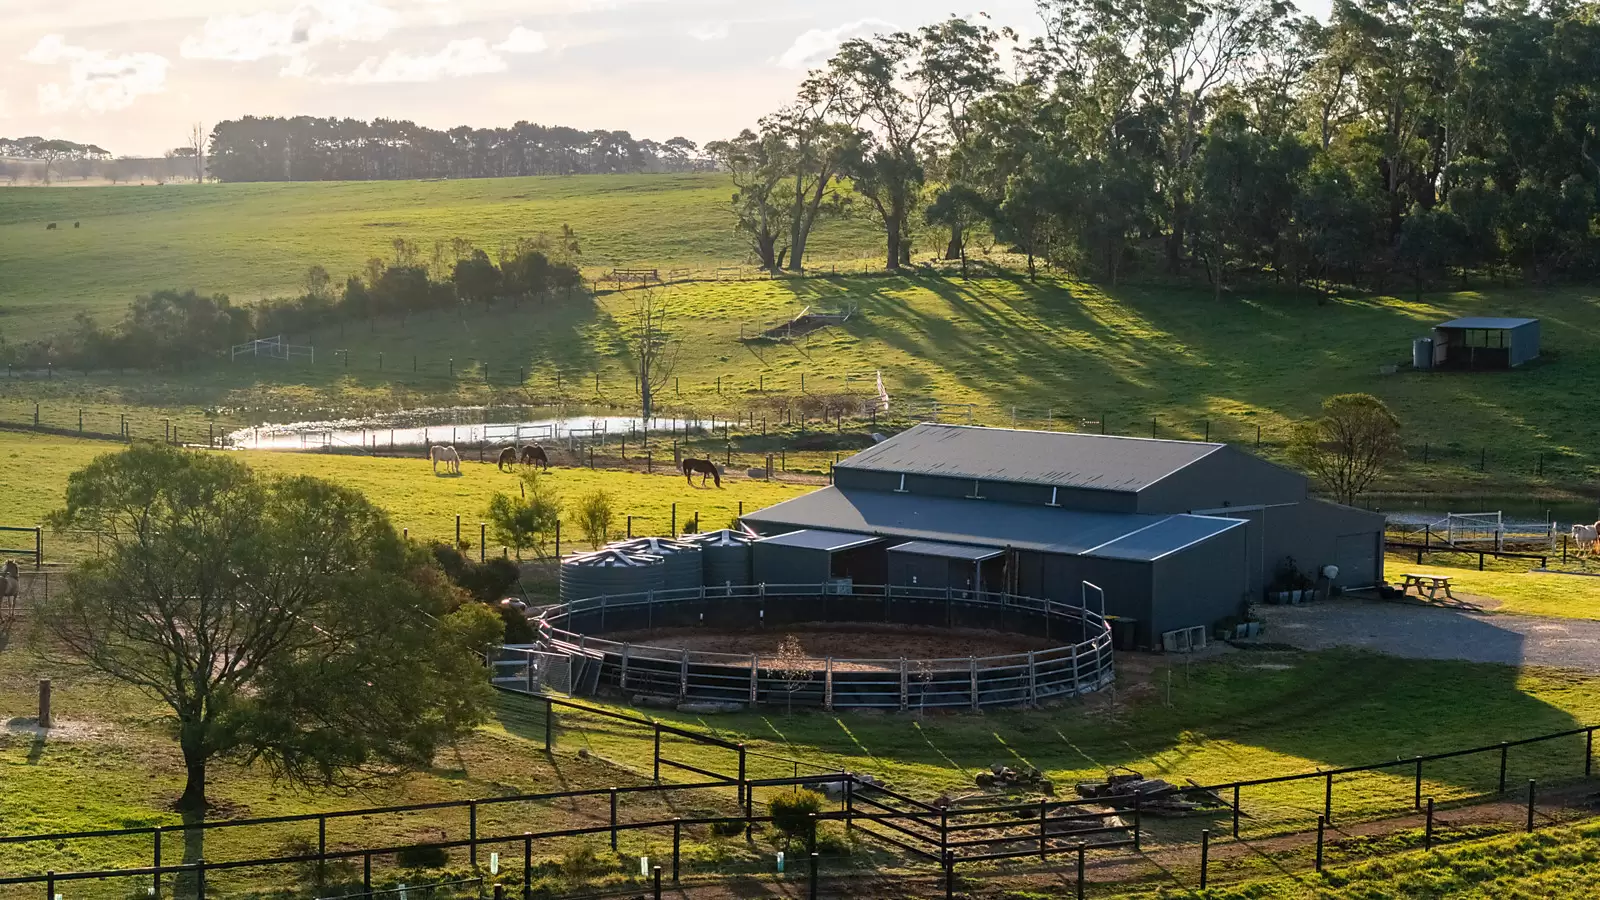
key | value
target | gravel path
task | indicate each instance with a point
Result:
(1420, 632)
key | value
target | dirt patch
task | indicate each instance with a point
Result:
(862, 642)
(62, 730)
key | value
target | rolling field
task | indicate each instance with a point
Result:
(255, 240)
(35, 468)
(1147, 360)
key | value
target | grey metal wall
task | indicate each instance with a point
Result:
(1228, 477)
(1199, 585)
(935, 572)
(778, 564)
(1127, 584)
(1524, 343)
(1312, 532)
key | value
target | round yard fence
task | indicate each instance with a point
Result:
(802, 645)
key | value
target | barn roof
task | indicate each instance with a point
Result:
(819, 539)
(948, 551)
(950, 520)
(1488, 322)
(1051, 458)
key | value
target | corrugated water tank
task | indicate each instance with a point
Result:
(681, 557)
(724, 557)
(609, 572)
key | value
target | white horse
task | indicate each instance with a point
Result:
(1584, 536)
(442, 454)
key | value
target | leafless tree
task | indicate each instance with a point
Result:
(198, 142)
(652, 351)
(792, 667)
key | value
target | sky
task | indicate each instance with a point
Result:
(134, 77)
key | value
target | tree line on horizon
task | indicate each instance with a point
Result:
(170, 328)
(305, 148)
(1398, 139)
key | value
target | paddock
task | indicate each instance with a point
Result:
(720, 645)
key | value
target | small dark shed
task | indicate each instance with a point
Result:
(814, 556)
(1482, 342)
(937, 565)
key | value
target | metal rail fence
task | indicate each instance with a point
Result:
(1081, 663)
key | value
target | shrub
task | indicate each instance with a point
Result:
(582, 862)
(727, 828)
(792, 812)
(595, 515)
(423, 858)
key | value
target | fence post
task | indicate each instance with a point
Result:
(549, 717)
(366, 874)
(199, 879)
(527, 865)
(155, 879)
(849, 802)
(1427, 829)
(949, 875)
(973, 662)
(813, 875)
(1205, 855)
(483, 540)
(677, 842)
(655, 876)
(658, 753)
(1532, 789)
(1322, 823)
(1588, 752)
(472, 831)
(1327, 799)
(322, 849)
(1504, 748)
(1416, 800)
(50, 885)
(744, 789)
(1082, 848)
(1043, 853)
(1236, 812)
(613, 820)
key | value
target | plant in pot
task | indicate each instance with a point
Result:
(1287, 580)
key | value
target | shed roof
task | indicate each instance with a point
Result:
(950, 520)
(818, 539)
(1052, 458)
(1489, 322)
(949, 551)
(1165, 537)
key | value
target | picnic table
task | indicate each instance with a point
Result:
(1429, 585)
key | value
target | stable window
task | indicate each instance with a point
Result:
(1485, 337)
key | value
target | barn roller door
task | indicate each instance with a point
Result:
(1356, 555)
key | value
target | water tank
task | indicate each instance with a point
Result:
(610, 572)
(725, 557)
(1422, 353)
(682, 558)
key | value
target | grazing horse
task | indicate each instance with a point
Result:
(50, 227)
(533, 453)
(441, 454)
(508, 459)
(1584, 536)
(10, 585)
(706, 469)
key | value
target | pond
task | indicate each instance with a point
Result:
(1516, 510)
(457, 425)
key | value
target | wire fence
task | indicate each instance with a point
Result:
(632, 836)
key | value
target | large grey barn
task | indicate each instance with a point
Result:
(1177, 533)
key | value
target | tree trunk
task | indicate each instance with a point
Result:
(892, 227)
(956, 249)
(194, 761)
(764, 245)
(1180, 214)
(646, 402)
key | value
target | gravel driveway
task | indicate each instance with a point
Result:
(1420, 632)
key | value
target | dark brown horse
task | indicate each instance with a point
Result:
(533, 453)
(508, 459)
(704, 467)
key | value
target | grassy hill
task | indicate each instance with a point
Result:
(254, 240)
(1051, 352)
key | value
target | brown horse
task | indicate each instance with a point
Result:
(508, 459)
(704, 467)
(533, 453)
(10, 585)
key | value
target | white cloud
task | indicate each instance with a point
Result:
(289, 33)
(97, 81)
(5, 110)
(458, 59)
(709, 31)
(523, 40)
(813, 48)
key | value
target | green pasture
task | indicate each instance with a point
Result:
(1146, 360)
(255, 240)
(35, 468)
(1509, 585)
